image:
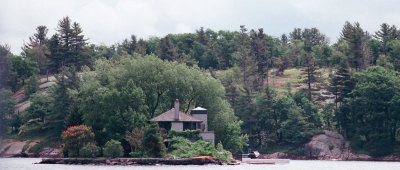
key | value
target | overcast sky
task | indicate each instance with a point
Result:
(111, 21)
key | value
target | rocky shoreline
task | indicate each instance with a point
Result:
(132, 161)
(330, 146)
(326, 146)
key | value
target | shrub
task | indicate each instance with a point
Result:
(137, 154)
(190, 134)
(75, 138)
(184, 148)
(31, 85)
(89, 151)
(152, 143)
(112, 149)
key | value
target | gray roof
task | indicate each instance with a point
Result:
(169, 116)
(199, 108)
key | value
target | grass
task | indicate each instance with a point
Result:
(294, 76)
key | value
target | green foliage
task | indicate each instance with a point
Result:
(89, 151)
(134, 139)
(374, 111)
(112, 149)
(152, 142)
(189, 134)
(6, 108)
(31, 85)
(77, 137)
(40, 106)
(184, 148)
(68, 46)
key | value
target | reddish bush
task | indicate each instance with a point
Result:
(76, 137)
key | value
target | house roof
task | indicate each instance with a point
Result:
(199, 108)
(169, 116)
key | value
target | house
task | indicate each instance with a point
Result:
(179, 121)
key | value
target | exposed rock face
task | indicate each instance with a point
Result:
(329, 145)
(16, 149)
(50, 152)
(12, 149)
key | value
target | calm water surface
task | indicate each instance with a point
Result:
(27, 164)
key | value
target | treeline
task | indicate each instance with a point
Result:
(362, 79)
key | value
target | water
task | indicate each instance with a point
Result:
(27, 164)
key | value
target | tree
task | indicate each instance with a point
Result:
(386, 34)
(355, 36)
(394, 53)
(260, 49)
(32, 85)
(37, 50)
(68, 46)
(6, 71)
(341, 83)
(40, 107)
(296, 34)
(312, 37)
(311, 72)
(168, 50)
(141, 47)
(246, 61)
(152, 143)
(104, 98)
(75, 138)
(24, 68)
(6, 108)
(372, 118)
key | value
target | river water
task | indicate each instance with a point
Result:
(28, 164)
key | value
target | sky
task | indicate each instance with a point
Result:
(110, 21)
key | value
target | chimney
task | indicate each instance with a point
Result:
(176, 109)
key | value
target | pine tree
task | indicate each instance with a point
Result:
(296, 34)
(260, 50)
(68, 46)
(386, 34)
(37, 49)
(168, 49)
(5, 67)
(355, 36)
(246, 62)
(141, 47)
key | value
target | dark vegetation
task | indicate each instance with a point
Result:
(116, 89)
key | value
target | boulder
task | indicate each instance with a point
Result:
(329, 145)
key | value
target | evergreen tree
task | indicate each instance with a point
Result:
(246, 62)
(168, 50)
(68, 46)
(260, 50)
(386, 34)
(355, 36)
(296, 34)
(6, 72)
(7, 104)
(37, 49)
(312, 37)
(141, 47)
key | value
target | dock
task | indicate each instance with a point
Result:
(265, 161)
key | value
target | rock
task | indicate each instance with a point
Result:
(46, 85)
(50, 152)
(329, 145)
(13, 149)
